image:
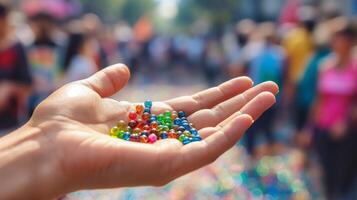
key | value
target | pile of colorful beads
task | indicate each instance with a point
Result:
(145, 127)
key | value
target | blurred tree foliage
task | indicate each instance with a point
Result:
(219, 13)
(112, 10)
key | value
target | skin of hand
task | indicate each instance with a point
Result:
(65, 147)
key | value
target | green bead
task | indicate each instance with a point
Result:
(120, 134)
(167, 120)
(160, 118)
(160, 128)
(129, 129)
(182, 137)
(165, 128)
(169, 125)
(167, 113)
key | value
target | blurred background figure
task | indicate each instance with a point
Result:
(266, 65)
(44, 56)
(300, 149)
(15, 77)
(80, 57)
(334, 114)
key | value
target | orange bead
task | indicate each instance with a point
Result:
(139, 108)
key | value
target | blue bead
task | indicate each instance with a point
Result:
(186, 126)
(177, 121)
(145, 132)
(126, 136)
(164, 135)
(197, 138)
(181, 114)
(194, 131)
(154, 116)
(148, 104)
(148, 110)
(186, 141)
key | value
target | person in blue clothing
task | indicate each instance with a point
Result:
(266, 65)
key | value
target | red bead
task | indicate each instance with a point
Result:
(154, 124)
(132, 124)
(139, 109)
(153, 131)
(140, 123)
(132, 115)
(146, 127)
(145, 116)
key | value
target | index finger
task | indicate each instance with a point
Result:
(212, 96)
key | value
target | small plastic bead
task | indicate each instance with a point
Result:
(187, 133)
(171, 133)
(114, 131)
(152, 138)
(147, 110)
(181, 128)
(145, 116)
(182, 137)
(165, 128)
(181, 114)
(148, 104)
(194, 131)
(167, 113)
(153, 131)
(173, 115)
(145, 132)
(140, 124)
(154, 124)
(197, 138)
(146, 127)
(160, 118)
(126, 136)
(121, 125)
(129, 129)
(164, 135)
(132, 115)
(186, 141)
(139, 109)
(137, 131)
(132, 124)
(177, 121)
(120, 134)
(144, 139)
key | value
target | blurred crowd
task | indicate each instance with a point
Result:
(310, 55)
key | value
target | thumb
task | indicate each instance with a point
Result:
(109, 80)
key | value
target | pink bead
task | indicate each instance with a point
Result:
(152, 138)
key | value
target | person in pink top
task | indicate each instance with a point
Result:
(333, 116)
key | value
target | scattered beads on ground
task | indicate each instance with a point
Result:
(145, 127)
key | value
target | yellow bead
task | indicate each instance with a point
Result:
(114, 131)
(121, 125)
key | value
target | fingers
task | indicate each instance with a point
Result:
(254, 108)
(109, 80)
(225, 109)
(198, 154)
(210, 97)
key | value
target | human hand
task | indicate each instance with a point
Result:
(70, 129)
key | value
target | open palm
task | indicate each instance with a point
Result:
(76, 119)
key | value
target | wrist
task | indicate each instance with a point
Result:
(27, 168)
